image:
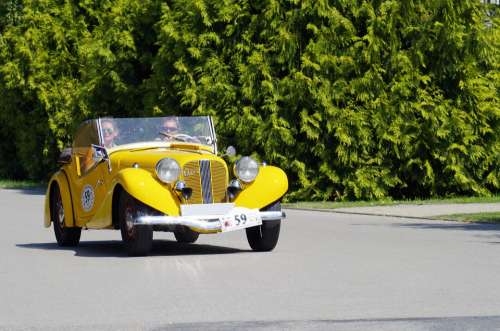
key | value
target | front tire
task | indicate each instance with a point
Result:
(65, 236)
(185, 235)
(263, 238)
(138, 239)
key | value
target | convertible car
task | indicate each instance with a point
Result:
(141, 175)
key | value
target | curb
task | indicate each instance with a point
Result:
(421, 218)
(333, 211)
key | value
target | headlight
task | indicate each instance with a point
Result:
(168, 170)
(246, 169)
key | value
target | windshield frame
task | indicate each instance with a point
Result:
(161, 144)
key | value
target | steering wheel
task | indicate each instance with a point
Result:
(180, 137)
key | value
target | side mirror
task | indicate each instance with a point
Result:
(99, 154)
(230, 151)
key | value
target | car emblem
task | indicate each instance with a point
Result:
(189, 172)
(87, 198)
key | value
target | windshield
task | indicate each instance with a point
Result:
(120, 131)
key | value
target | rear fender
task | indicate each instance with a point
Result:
(270, 185)
(60, 179)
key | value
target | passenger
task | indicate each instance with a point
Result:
(109, 132)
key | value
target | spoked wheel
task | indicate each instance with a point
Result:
(263, 238)
(65, 236)
(184, 234)
(138, 239)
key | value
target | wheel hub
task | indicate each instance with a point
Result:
(60, 213)
(129, 220)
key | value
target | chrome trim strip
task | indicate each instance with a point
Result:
(212, 131)
(272, 215)
(202, 222)
(99, 129)
(190, 221)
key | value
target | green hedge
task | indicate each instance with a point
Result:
(354, 99)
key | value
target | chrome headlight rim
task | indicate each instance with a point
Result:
(246, 169)
(168, 170)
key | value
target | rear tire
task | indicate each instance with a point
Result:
(263, 238)
(65, 236)
(185, 235)
(138, 239)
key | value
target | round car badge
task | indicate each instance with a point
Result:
(87, 198)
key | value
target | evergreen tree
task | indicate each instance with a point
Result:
(354, 99)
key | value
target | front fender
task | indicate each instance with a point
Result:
(60, 179)
(270, 185)
(143, 186)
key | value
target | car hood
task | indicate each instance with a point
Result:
(148, 158)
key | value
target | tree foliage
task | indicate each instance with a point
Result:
(354, 99)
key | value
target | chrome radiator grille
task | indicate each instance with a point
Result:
(208, 179)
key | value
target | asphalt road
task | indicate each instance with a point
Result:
(329, 271)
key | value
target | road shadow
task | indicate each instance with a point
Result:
(490, 231)
(451, 226)
(417, 323)
(115, 248)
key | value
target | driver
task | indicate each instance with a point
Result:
(170, 128)
(170, 131)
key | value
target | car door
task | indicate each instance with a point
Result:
(87, 175)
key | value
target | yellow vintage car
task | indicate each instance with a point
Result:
(141, 175)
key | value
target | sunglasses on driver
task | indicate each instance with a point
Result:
(170, 129)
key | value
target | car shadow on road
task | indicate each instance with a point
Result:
(451, 226)
(490, 230)
(115, 248)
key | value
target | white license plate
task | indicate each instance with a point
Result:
(206, 209)
(240, 218)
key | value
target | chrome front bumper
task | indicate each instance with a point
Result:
(209, 218)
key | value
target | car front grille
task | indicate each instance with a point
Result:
(208, 179)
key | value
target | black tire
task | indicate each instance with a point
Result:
(185, 235)
(65, 236)
(263, 238)
(138, 239)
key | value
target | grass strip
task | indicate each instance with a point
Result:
(388, 202)
(20, 184)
